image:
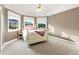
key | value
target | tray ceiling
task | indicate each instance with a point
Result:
(48, 9)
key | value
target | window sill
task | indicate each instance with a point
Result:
(10, 30)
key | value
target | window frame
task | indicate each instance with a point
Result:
(17, 17)
(29, 17)
(37, 22)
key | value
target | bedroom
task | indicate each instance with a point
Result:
(54, 23)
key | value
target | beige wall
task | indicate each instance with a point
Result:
(67, 21)
(22, 22)
(0, 29)
(7, 36)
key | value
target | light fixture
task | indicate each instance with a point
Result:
(39, 8)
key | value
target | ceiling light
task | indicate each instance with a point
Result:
(39, 8)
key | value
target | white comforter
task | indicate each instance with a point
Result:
(32, 37)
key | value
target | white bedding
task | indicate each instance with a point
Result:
(34, 37)
(31, 31)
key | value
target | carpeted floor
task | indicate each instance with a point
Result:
(54, 46)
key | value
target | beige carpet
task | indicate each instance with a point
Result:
(54, 46)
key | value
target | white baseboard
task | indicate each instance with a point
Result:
(6, 43)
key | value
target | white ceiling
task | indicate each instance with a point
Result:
(48, 9)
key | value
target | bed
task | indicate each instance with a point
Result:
(36, 36)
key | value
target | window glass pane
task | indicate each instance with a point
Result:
(29, 22)
(42, 22)
(13, 21)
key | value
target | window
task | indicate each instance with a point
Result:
(29, 22)
(42, 23)
(13, 21)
